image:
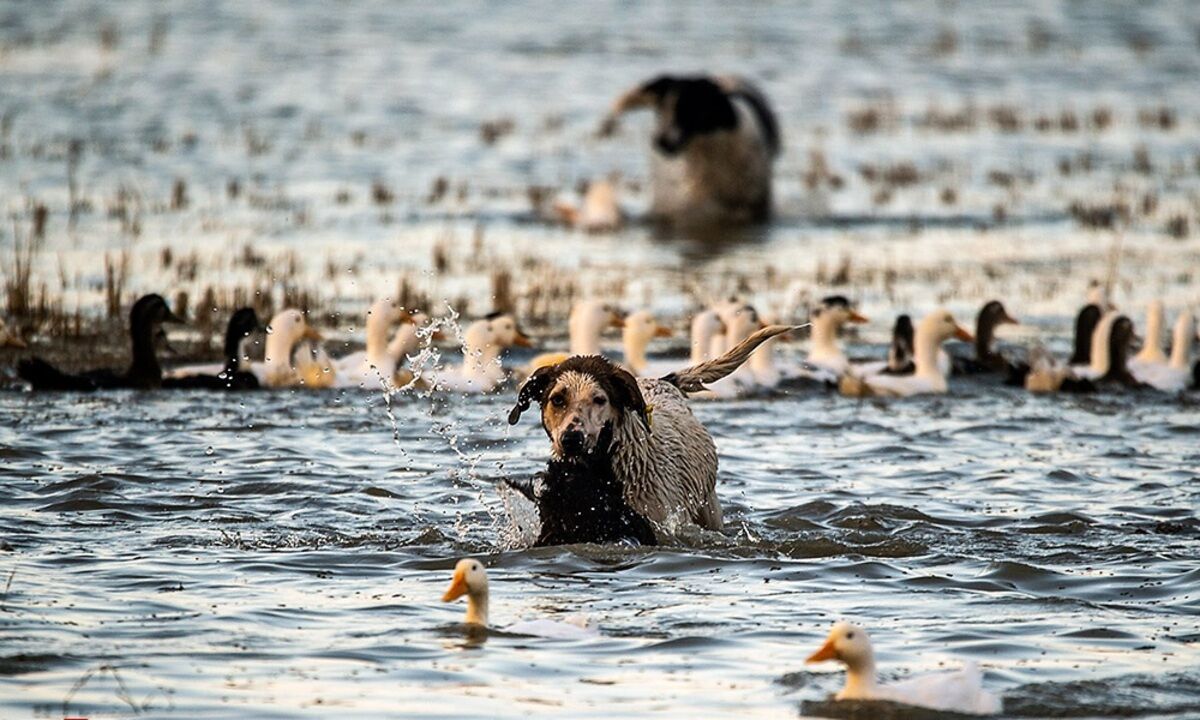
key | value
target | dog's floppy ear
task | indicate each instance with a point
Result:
(532, 390)
(626, 394)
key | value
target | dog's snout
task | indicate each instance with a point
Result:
(572, 441)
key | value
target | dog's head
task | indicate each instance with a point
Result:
(579, 397)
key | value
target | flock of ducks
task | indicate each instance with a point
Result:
(397, 340)
(960, 691)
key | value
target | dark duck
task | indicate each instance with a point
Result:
(146, 319)
(986, 359)
(242, 324)
(580, 500)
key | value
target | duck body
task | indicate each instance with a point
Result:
(959, 691)
(928, 376)
(483, 342)
(378, 362)
(242, 323)
(1175, 374)
(470, 579)
(146, 318)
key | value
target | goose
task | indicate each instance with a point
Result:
(470, 579)
(483, 341)
(242, 324)
(381, 358)
(146, 318)
(1175, 374)
(1152, 351)
(960, 691)
(585, 325)
(826, 361)
(313, 366)
(986, 360)
(936, 327)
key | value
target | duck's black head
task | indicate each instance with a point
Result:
(146, 318)
(151, 310)
(1085, 325)
(688, 107)
(990, 315)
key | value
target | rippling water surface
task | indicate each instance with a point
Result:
(284, 553)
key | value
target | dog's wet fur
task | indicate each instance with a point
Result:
(580, 500)
(579, 496)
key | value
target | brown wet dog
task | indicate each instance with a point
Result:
(660, 453)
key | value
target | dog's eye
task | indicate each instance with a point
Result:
(558, 401)
(600, 400)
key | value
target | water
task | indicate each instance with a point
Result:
(284, 553)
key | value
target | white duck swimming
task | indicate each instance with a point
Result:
(483, 342)
(285, 330)
(639, 329)
(928, 377)
(960, 691)
(381, 358)
(588, 320)
(740, 321)
(826, 361)
(470, 579)
(1175, 374)
(707, 325)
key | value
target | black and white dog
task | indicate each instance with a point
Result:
(715, 142)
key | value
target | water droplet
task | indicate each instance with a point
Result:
(209, 450)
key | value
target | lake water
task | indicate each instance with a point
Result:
(283, 553)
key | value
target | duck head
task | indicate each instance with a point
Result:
(470, 579)
(146, 319)
(991, 316)
(505, 332)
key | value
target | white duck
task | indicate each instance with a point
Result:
(826, 361)
(483, 341)
(470, 579)
(639, 329)
(600, 211)
(707, 325)
(381, 358)
(285, 330)
(960, 691)
(586, 324)
(1174, 374)
(928, 377)
(740, 321)
(1152, 351)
